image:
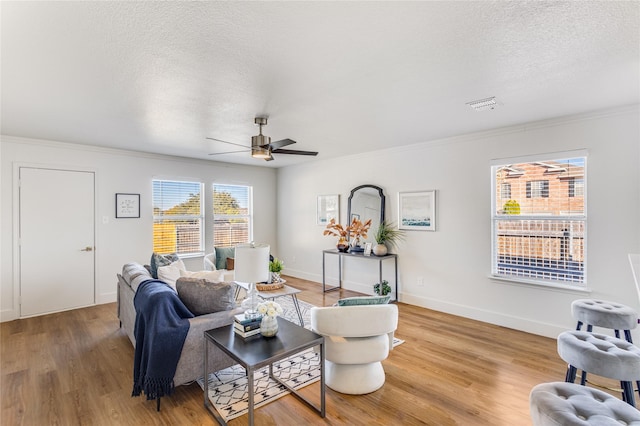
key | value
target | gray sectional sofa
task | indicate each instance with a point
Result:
(190, 365)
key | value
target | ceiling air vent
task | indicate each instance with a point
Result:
(483, 104)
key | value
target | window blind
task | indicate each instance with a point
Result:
(177, 217)
(232, 214)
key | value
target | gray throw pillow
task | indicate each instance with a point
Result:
(221, 256)
(364, 300)
(158, 260)
(203, 297)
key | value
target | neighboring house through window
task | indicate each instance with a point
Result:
(232, 215)
(538, 189)
(178, 217)
(539, 229)
(576, 187)
(505, 191)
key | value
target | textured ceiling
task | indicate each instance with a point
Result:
(338, 77)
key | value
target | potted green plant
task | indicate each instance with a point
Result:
(382, 289)
(387, 236)
(275, 267)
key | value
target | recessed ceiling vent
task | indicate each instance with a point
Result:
(483, 104)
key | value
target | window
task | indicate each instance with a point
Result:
(232, 215)
(178, 217)
(505, 191)
(538, 189)
(576, 187)
(539, 230)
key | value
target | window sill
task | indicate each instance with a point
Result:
(568, 288)
(190, 255)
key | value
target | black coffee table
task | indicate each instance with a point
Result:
(256, 352)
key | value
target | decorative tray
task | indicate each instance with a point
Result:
(267, 287)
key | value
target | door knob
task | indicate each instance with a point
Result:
(87, 248)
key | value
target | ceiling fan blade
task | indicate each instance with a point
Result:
(229, 152)
(237, 144)
(270, 158)
(293, 151)
(281, 143)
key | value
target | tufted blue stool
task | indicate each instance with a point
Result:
(605, 356)
(569, 404)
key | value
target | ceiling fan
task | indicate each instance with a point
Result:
(262, 147)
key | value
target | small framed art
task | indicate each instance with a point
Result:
(328, 208)
(127, 205)
(417, 210)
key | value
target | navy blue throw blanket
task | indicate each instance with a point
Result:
(162, 324)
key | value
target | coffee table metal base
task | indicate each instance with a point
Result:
(253, 354)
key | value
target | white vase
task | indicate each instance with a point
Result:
(380, 250)
(269, 326)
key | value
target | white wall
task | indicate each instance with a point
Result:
(122, 240)
(455, 260)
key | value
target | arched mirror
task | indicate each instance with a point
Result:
(367, 202)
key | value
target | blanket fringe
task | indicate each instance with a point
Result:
(154, 388)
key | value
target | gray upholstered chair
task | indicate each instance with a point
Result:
(357, 339)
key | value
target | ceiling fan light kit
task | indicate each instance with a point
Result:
(260, 141)
(261, 146)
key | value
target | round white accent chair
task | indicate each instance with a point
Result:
(357, 339)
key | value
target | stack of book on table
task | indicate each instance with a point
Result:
(246, 327)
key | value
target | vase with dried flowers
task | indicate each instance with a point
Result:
(358, 230)
(336, 230)
(355, 230)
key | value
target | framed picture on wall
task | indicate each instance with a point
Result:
(417, 210)
(127, 205)
(328, 208)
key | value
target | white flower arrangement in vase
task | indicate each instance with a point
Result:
(270, 311)
(270, 308)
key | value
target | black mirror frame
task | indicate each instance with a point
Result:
(382, 201)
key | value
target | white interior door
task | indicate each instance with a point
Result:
(56, 240)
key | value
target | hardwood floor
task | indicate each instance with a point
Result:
(76, 368)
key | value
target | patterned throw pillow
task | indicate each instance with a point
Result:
(158, 260)
(364, 300)
(203, 297)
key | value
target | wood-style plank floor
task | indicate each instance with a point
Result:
(75, 368)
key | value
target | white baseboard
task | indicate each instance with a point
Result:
(8, 315)
(491, 317)
(106, 298)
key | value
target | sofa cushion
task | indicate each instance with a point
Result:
(158, 260)
(364, 300)
(170, 273)
(134, 274)
(221, 256)
(203, 297)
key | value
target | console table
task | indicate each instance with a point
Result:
(340, 255)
